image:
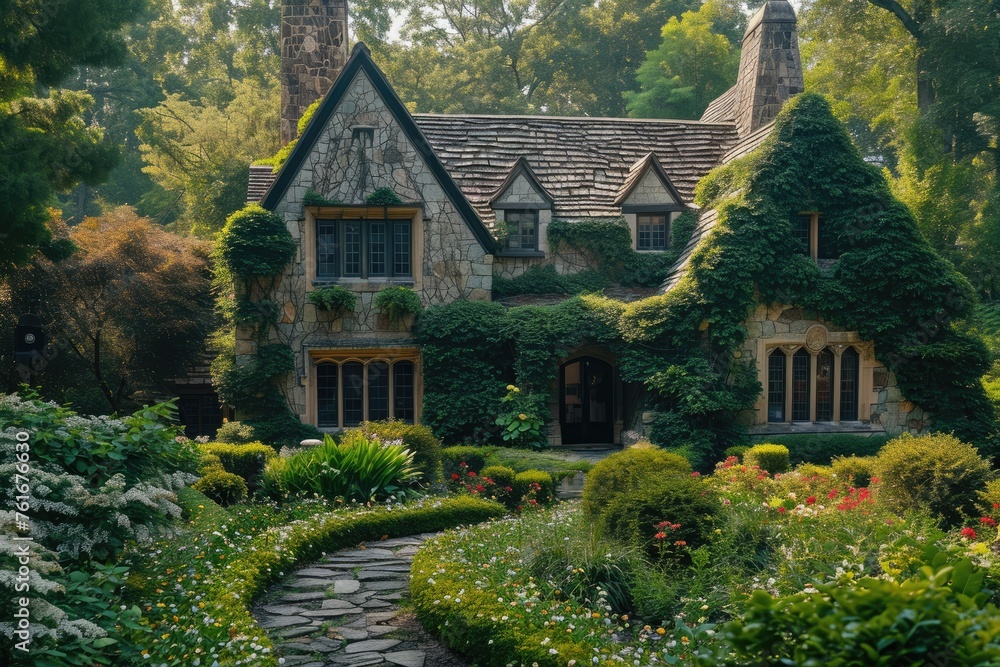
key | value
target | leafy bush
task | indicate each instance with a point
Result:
(502, 478)
(223, 487)
(282, 428)
(737, 451)
(397, 302)
(822, 447)
(418, 438)
(210, 462)
(522, 418)
(555, 463)
(624, 471)
(989, 499)
(255, 243)
(473, 457)
(664, 516)
(772, 458)
(937, 471)
(939, 616)
(535, 487)
(234, 432)
(856, 468)
(246, 460)
(334, 299)
(358, 468)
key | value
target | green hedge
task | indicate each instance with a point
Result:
(247, 460)
(821, 448)
(474, 457)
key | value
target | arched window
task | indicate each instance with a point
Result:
(351, 392)
(776, 386)
(849, 364)
(801, 381)
(824, 386)
(326, 394)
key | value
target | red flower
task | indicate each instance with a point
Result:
(472, 474)
(781, 510)
(680, 543)
(968, 533)
(454, 475)
(987, 521)
(832, 494)
(662, 524)
(811, 500)
(479, 487)
(875, 480)
(996, 506)
(696, 474)
(660, 536)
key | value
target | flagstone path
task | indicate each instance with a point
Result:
(344, 611)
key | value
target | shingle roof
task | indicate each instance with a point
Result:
(722, 109)
(581, 162)
(261, 177)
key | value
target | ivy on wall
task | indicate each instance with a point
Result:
(472, 350)
(253, 248)
(888, 285)
(609, 242)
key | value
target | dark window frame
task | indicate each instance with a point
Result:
(396, 258)
(519, 233)
(650, 233)
(399, 400)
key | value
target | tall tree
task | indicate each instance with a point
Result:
(130, 307)
(692, 66)
(45, 143)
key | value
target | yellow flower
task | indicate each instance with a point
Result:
(511, 387)
(522, 416)
(661, 631)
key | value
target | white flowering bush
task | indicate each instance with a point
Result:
(83, 488)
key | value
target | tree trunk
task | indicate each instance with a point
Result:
(101, 382)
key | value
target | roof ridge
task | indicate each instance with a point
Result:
(663, 121)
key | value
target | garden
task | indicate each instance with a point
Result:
(149, 548)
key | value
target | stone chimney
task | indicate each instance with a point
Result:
(313, 52)
(770, 67)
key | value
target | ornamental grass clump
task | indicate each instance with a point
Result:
(418, 438)
(357, 468)
(938, 472)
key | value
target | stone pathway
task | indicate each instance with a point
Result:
(345, 612)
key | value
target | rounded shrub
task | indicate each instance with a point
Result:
(235, 433)
(989, 499)
(626, 470)
(418, 438)
(255, 243)
(210, 462)
(937, 471)
(738, 451)
(772, 458)
(223, 487)
(474, 458)
(246, 460)
(534, 485)
(664, 516)
(856, 468)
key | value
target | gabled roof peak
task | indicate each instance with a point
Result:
(638, 171)
(521, 167)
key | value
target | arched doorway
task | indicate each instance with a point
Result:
(586, 401)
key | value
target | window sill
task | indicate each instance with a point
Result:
(651, 250)
(363, 283)
(520, 253)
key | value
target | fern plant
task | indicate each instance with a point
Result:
(333, 299)
(397, 302)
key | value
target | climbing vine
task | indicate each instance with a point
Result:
(888, 284)
(252, 250)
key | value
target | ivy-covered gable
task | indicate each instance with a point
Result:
(886, 283)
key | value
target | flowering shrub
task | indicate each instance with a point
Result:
(521, 419)
(195, 594)
(531, 488)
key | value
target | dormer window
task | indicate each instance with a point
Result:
(812, 238)
(652, 231)
(522, 229)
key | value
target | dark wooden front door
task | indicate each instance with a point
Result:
(587, 412)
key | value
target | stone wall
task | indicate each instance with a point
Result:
(887, 409)
(313, 52)
(362, 149)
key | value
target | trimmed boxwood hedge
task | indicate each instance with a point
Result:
(270, 554)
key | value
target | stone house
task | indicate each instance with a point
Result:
(461, 178)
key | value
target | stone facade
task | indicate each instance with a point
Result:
(362, 148)
(650, 190)
(882, 407)
(313, 52)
